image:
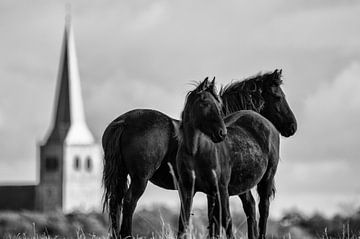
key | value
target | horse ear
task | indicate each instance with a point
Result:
(277, 72)
(212, 84)
(203, 85)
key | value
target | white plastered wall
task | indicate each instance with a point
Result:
(82, 187)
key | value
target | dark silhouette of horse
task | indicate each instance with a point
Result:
(141, 143)
(203, 165)
(247, 157)
(277, 111)
(252, 146)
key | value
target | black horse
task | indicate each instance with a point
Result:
(247, 157)
(203, 165)
(141, 143)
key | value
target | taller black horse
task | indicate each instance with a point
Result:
(221, 166)
(141, 143)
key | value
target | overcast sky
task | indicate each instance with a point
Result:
(143, 54)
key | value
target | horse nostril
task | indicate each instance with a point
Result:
(293, 128)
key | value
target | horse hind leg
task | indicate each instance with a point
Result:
(114, 175)
(115, 198)
(266, 189)
(115, 206)
(115, 184)
(248, 203)
(136, 189)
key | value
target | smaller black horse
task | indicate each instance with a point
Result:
(201, 164)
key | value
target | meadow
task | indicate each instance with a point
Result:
(161, 222)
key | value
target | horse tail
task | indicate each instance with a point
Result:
(114, 173)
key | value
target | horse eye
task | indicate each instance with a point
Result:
(276, 94)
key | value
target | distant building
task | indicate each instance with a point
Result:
(70, 159)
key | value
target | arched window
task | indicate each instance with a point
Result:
(77, 163)
(51, 164)
(88, 163)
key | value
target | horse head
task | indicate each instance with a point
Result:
(203, 112)
(275, 108)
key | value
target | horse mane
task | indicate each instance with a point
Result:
(247, 94)
(178, 132)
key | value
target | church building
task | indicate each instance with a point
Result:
(70, 160)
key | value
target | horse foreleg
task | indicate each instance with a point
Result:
(213, 225)
(225, 211)
(220, 215)
(136, 189)
(184, 218)
(265, 190)
(186, 196)
(248, 203)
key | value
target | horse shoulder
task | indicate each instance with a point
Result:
(258, 127)
(274, 142)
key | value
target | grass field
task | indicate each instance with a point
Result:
(161, 222)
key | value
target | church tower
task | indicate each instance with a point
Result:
(70, 159)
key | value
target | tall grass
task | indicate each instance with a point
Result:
(160, 222)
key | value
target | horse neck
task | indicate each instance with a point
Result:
(190, 137)
(233, 103)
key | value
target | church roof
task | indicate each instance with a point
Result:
(69, 125)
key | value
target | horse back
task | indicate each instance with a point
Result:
(145, 139)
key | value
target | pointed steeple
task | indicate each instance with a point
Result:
(69, 125)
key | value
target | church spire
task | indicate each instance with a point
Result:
(69, 125)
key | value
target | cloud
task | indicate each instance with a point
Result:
(301, 178)
(150, 17)
(315, 28)
(1, 119)
(143, 54)
(118, 97)
(330, 119)
(322, 159)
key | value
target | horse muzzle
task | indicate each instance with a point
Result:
(289, 129)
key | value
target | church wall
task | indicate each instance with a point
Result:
(82, 180)
(49, 191)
